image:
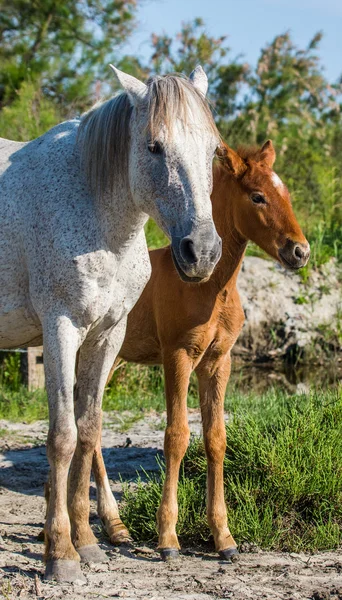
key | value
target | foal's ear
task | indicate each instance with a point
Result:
(135, 89)
(231, 160)
(268, 154)
(199, 80)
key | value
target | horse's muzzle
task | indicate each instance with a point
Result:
(294, 255)
(196, 255)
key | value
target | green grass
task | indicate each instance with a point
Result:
(283, 478)
(22, 405)
(283, 465)
(154, 236)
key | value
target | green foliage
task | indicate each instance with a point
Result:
(61, 43)
(18, 404)
(155, 237)
(140, 388)
(29, 115)
(10, 371)
(282, 479)
(194, 46)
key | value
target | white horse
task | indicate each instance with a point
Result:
(73, 260)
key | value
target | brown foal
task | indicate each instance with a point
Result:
(188, 327)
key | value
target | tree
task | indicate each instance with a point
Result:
(193, 46)
(288, 90)
(63, 44)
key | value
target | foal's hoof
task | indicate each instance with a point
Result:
(229, 554)
(64, 571)
(169, 553)
(92, 553)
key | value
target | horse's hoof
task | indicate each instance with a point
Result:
(92, 553)
(64, 571)
(169, 553)
(229, 554)
(120, 538)
(117, 532)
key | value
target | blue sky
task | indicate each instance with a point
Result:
(249, 24)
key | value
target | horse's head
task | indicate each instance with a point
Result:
(172, 141)
(261, 205)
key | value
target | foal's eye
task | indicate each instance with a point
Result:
(155, 147)
(258, 198)
(221, 151)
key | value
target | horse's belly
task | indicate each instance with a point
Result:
(19, 325)
(19, 328)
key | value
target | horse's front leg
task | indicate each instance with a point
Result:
(177, 368)
(95, 361)
(61, 341)
(213, 377)
(107, 507)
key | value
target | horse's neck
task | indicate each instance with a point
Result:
(119, 219)
(233, 244)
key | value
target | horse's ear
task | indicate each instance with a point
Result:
(268, 154)
(135, 89)
(199, 80)
(231, 160)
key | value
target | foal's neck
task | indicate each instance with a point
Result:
(233, 244)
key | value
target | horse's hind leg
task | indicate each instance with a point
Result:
(107, 507)
(61, 340)
(177, 367)
(213, 377)
(95, 360)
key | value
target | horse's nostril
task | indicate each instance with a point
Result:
(187, 250)
(298, 252)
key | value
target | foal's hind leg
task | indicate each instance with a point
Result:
(95, 361)
(177, 368)
(213, 376)
(107, 507)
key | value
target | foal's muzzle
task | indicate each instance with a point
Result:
(196, 255)
(294, 255)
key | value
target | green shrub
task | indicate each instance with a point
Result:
(283, 479)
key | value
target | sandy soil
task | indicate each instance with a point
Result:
(135, 573)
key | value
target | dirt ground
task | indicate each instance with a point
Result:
(137, 572)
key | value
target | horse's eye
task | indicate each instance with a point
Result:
(155, 147)
(258, 198)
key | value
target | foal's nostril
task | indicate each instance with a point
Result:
(298, 252)
(187, 250)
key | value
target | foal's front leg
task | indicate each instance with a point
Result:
(213, 377)
(95, 361)
(61, 341)
(177, 369)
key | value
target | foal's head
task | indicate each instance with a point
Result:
(261, 205)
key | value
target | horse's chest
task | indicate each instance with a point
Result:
(133, 274)
(117, 293)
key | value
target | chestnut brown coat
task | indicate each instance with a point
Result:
(188, 327)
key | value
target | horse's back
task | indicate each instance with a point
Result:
(28, 177)
(7, 148)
